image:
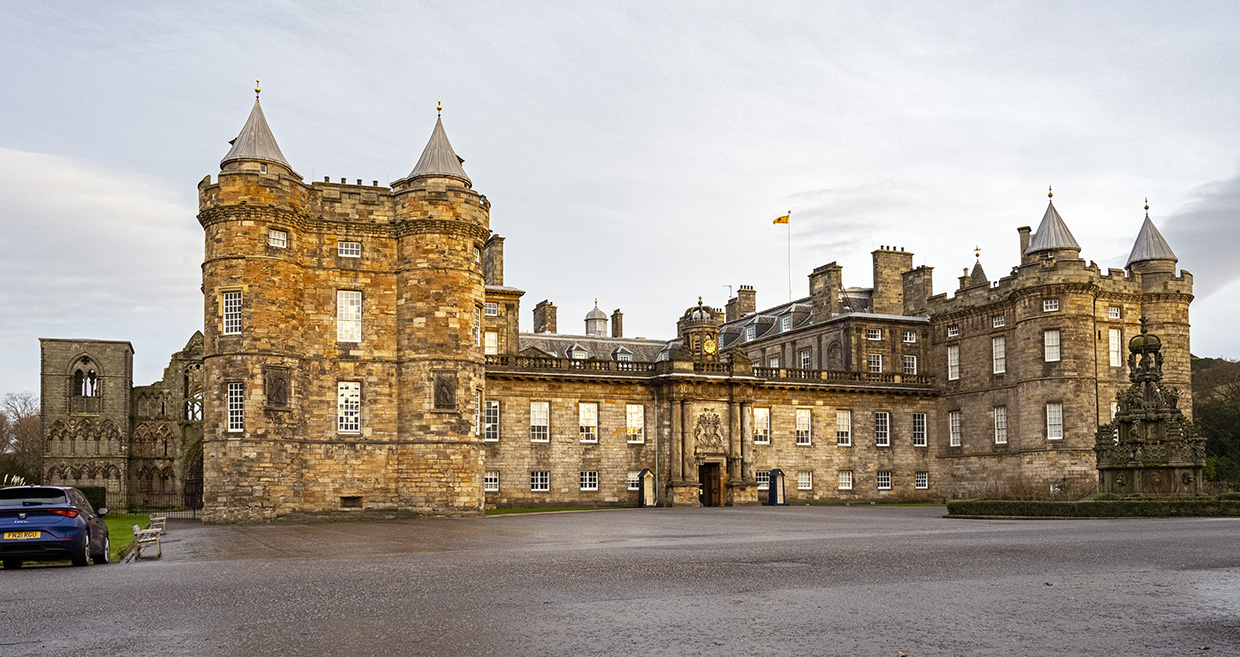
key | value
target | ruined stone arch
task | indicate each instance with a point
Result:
(85, 376)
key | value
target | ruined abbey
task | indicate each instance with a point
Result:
(361, 351)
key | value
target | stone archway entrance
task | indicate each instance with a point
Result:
(710, 489)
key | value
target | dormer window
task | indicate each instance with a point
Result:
(622, 354)
(277, 238)
(749, 333)
(785, 323)
(577, 352)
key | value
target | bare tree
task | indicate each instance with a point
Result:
(21, 439)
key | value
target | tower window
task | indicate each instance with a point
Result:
(348, 315)
(277, 238)
(1050, 305)
(232, 313)
(349, 249)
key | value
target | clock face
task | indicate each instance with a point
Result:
(709, 346)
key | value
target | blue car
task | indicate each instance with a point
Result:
(50, 523)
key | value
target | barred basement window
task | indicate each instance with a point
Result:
(873, 334)
(349, 406)
(1050, 305)
(587, 416)
(1001, 425)
(348, 316)
(843, 428)
(589, 480)
(953, 362)
(349, 249)
(277, 238)
(492, 309)
(1054, 421)
(540, 481)
(919, 429)
(884, 479)
(232, 313)
(762, 426)
(635, 422)
(998, 354)
(805, 480)
(764, 479)
(875, 362)
(882, 429)
(953, 428)
(910, 336)
(540, 422)
(490, 481)
(804, 417)
(910, 365)
(845, 480)
(921, 480)
(1050, 345)
(634, 480)
(490, 431)
(236, 407)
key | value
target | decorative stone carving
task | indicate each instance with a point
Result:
(277, 387)
(708, 434)
(445, 391)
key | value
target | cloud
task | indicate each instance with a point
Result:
(1197, 233)
(94, 253)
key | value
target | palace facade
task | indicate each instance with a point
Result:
(361, 351)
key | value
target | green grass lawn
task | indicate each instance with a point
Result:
(120, 530)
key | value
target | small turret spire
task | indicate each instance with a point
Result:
(439, 108)
(1150, 244)
(438, 159)
(255, 141)
(1052, 233)
(1050, 193)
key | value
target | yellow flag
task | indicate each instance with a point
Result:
(783, 219)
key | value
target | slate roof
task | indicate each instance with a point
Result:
(1150, 245)
(597, 348)
(1052, 233)
(438, 159)
(255, 141)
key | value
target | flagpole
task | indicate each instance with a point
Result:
(789, 224)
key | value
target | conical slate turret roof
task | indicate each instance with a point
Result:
(255, 141)
(979, 275)
(1052, 233)
(438, 158)
(1150, 245)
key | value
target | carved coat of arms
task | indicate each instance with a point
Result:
(707, 434)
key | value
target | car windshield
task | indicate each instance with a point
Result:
(31, 496)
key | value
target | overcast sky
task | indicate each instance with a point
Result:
(635, 152)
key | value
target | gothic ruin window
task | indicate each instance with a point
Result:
(85, 381)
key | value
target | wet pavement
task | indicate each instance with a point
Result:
(746, 581)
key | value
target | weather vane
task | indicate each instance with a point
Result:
(977, 253)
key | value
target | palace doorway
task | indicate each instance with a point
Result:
(710, 488)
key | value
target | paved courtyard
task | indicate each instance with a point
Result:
(743, 581)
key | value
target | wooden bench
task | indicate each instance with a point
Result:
(159, 522)
(145, 538)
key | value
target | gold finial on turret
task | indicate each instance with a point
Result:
(257, 89)
(439, 109)
(1147, 204)
(977, 253)
(1049, 192)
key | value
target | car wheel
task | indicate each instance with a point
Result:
(82, 558)
(12, 564)
(106, 554)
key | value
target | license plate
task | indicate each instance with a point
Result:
(21, 535)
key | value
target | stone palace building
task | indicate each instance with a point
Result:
(361, 351)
